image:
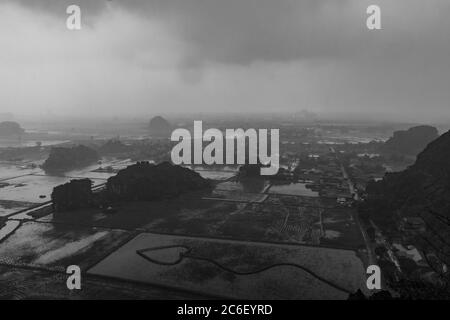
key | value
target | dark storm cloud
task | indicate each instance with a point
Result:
(235, 31)
(242, 31)
(253, 54)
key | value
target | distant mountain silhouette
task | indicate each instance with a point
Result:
(411, 141)
(10, 128)
(421, 191)
(159, 127)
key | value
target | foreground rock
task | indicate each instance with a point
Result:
(146, 182)
(63, 159)
(415, 203)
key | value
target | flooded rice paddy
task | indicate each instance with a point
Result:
(200, 275)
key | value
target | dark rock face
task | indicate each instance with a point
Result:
(62, 159)
(421, 191)
(411, 141)
(160, 127)
(76, 194)
(10, 128)
(146, 182)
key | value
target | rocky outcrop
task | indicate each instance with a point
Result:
(10, 129)
(250, 171)
(76, 194)
(63, 159)
(144, 181)
(159, 128)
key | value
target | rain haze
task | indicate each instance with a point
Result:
(259, 56)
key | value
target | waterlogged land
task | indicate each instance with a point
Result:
(242, 225)
(55, 246)
(23, 186)
(236, 269)
(229, 212)
(245, 211)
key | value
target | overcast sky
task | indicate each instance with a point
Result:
(161, 56)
